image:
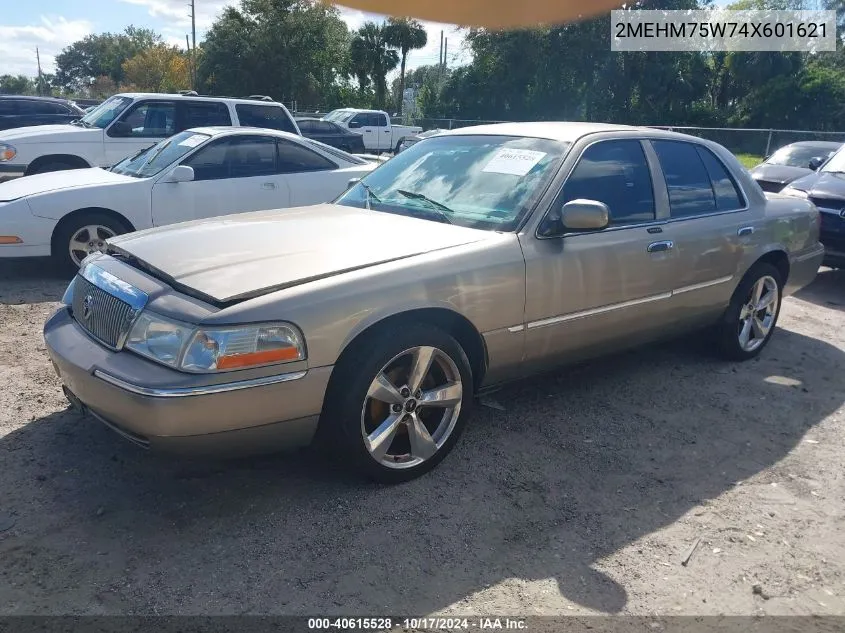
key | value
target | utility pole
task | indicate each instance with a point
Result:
(193, 48)
(440, 63)
(40, 77)
(445, 50)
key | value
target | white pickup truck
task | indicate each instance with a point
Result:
(380, 135)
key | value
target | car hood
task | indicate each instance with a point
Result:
(57, 181)
(779, 173)
(51, 134)
(235, 257)
(822, 185)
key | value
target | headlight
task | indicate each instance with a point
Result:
(205, 350)
(67, 297)
(7, 152)
(795, 193)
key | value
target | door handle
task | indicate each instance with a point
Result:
(745, 230)
(659, 247)
(268, 185)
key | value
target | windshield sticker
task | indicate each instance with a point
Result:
(516, 162)
(193, 141)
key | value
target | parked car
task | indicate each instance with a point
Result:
(380, 135)
(21, 111)
(125, 124)
(198, 173)
(826, 189)
(407, 141)
(331, 134)
(791, 162)
(479, 256)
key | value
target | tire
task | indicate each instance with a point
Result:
(108, 226)
(54, 166)
(396, 149)
(741, 335)
(422, 435)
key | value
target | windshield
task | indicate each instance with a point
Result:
(150, 161)
(836, 163)
(106, 112)
(338, 115)
(798, 156)
(485, 182)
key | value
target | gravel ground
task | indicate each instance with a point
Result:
(582, 496)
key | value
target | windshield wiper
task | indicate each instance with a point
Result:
(439, 207)
(370, 194)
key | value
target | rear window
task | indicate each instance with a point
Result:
(266, 116)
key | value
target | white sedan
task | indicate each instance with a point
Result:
(199, 173)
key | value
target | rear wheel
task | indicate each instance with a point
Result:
(397, 405)
(82, 235)
(750, 319)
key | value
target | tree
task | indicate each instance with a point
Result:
(405, 34)
(371, 51)
(16, 85)
(288, 49)
(158, 69)
(101, 55)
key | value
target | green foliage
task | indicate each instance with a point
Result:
(17, 85)
(288, 49)
(372, 58)
(101, 55)
(406, 35)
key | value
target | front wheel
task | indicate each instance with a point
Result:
(397, 405)
(750, 319)
(82, 235)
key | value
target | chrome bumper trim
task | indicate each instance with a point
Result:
(182, 392)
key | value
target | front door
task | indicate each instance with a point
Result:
(144, 123)
(234, 174)
(588, 292)
(367, 129)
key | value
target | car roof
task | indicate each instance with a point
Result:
(824, 144)
(161, 95)
(34, 98)
(565, 131)
(229, 130)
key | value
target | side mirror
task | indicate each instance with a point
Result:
(585, 215)
(120, 129)
(352, 182)
(815, 163)
(180, 173)
(354, 125)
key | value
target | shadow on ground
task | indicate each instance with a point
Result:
(30, 281)
(827, 290)
(580, 464)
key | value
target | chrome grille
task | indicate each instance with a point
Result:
(104, 316)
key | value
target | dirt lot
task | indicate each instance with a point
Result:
(583, 496)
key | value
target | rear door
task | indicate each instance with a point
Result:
(233, 174)
(364, 123)
(144, 123)
(383, 130)
(310, 177)
(594, 290)
(710, 226)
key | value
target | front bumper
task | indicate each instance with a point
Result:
(233, 418)
(8, 172)
(35, 233)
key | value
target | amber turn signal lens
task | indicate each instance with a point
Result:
(10, 239)
(266, 357)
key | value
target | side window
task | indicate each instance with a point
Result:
(617, 174)
(294, 158)
(361, 119)
(8, 107)
(235, 157)
(202, 114)
(323, 127)
(151, 119)
(43, 107)
(266, 116)
(690, 191)
(381, 120)
(306, 126)
(728, 197)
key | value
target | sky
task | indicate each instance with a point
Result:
(51, 25)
